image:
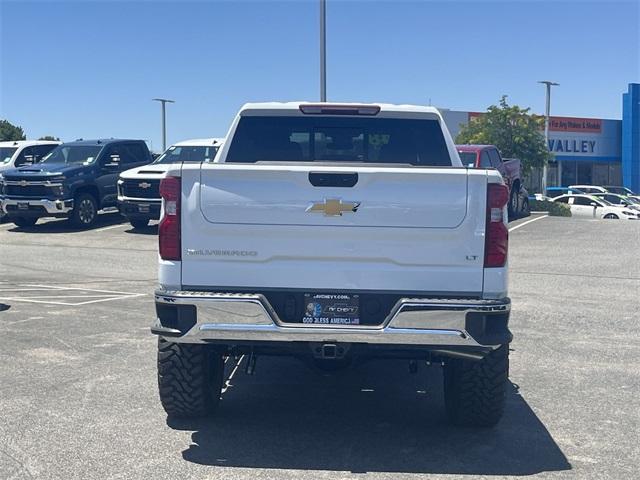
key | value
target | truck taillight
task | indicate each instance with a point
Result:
(496, 233)
(169, 228)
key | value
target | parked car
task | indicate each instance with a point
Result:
(488, 156)
(24, 152)
(138, 188)
(619, 190)
(557, 191)
(588, 206)
(75, 180)
(619, 200)
(541, 198)
(322, 231)
(587, 189)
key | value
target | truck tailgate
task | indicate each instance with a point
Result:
(282, 226)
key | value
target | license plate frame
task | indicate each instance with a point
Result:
(23, 205)
(144, 208)
(331, 309)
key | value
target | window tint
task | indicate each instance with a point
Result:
(25, 157)
(495, 158)
(126, 155)
(485, 161)
(134, 153)
(112, 156)
(71, 153)
(583, 201)
(188, 154)
(6, 153)
(42, 150)
(334, 139)
(468, 159)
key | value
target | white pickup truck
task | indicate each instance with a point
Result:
(334, 232)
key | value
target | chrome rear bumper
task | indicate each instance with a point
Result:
(200, 317)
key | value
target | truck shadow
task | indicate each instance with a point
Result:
(64, 226)
(374, 418)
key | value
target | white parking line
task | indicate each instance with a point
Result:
(227, 383)
(110, 227)
(527, 222)
(56, 287)
(62, 294)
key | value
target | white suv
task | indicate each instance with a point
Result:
(588, 206)
(18, 153)
(589, 188)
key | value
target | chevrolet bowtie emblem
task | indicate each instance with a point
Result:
(144, 185)
(333, 207)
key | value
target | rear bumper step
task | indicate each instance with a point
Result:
(201, 317)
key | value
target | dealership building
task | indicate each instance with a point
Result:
(593, 151)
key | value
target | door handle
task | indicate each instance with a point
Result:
(333, 179)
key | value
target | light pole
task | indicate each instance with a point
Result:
(164, 101)
(549, 84)
(323, 51)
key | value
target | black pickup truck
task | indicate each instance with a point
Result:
(74, 181)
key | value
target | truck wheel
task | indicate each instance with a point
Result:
(189, 378)
(139, 222)
(474, 392)
(85, 211)
(23, 222)
(513, 204)
(525, 212)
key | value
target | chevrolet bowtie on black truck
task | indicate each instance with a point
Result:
(334, 233)
(73, 181)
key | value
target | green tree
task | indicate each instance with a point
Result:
(512, 129)
(9, 132)
(49, 137)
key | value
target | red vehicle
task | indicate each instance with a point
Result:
(488, 156)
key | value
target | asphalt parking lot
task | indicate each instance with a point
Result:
(79, 389)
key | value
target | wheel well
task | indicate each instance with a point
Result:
(516, 186)
(91, 190)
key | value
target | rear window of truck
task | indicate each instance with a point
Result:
(334, 139)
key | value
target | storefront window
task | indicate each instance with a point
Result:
(601, 174)
(615, 174)
(552, 173)
(585, 173)
(569, 174)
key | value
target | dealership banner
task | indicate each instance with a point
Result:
(573, 124)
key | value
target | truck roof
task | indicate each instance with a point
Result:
(199, 142)
(27, 143)
(384, 107)
(473, 148)
(102, 141)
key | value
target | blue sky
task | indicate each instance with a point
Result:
(89, 69)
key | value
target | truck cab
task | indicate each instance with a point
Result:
(488, 156)
(75, 180)
(21, 153)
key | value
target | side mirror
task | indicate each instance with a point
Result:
(112, 163)
(593, 204)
